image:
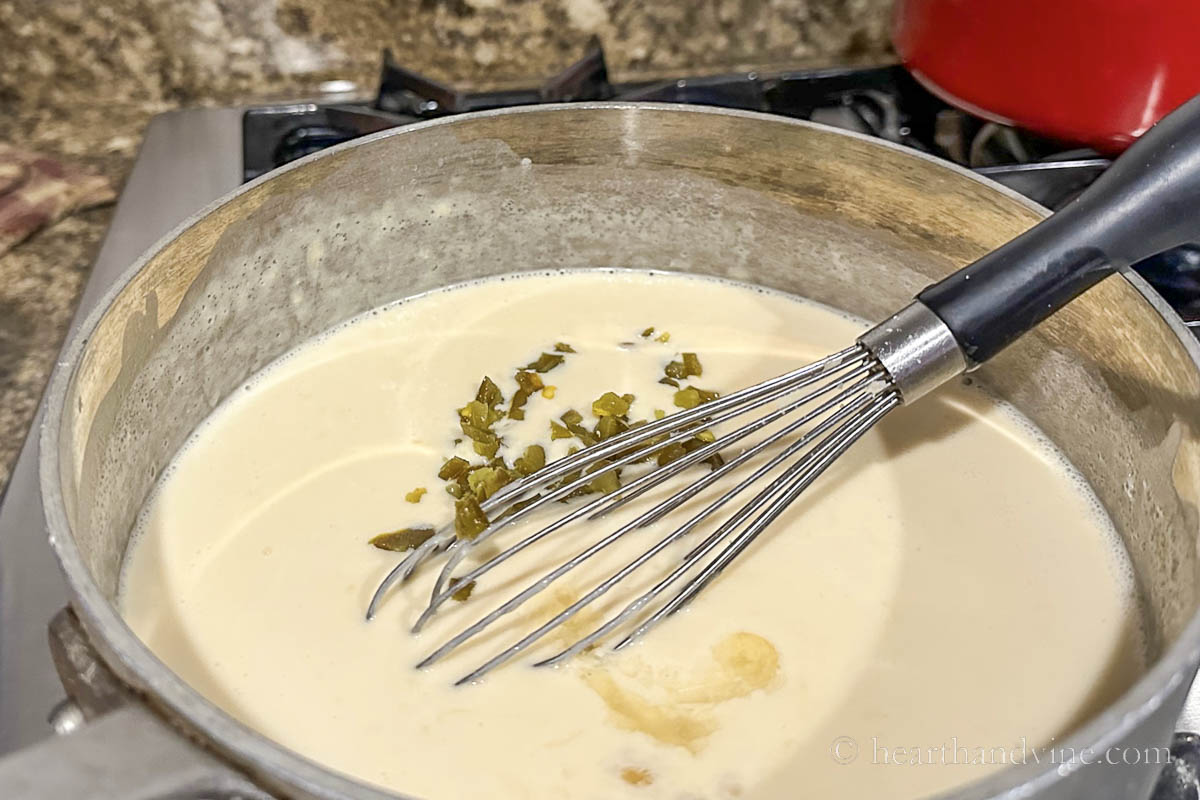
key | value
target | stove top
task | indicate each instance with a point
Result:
(190, 158)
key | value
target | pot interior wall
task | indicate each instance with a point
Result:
(841, 220)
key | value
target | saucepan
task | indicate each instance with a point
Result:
(1096, 72)
(854, 223)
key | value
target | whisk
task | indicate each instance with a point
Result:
(1147, 202)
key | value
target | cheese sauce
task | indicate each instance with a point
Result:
(949, 585)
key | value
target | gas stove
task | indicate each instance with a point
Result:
(190, 158)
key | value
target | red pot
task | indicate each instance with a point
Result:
(1097, 72)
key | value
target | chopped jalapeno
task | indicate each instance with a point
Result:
(516, 407)
(571, 478)
(470, 485)
(487, 448)
(469, 519)
(692, 445)
(606, 483)
(486, 481)
(461, 593)
(572, 419)
(672, 452)
(401, 540)
(489, 393)
(473, 432)
(453, 468)
(610, 404)
(687, 398)
(481, 415)
(610, 426)
(689, 366)
(583, 434)
(531, 461)
(692, 396)
(529, 381)
(476, 414)
(486, 443)
(546, 362)
(678, 450)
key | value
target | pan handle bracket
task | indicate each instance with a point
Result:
(117, 747)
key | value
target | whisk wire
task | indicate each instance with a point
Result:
(634, 607)
(657, 512)
(676, 428)
(841, 441)
(773, 387)
(870, 372)
(607, 503)
(662, 544)
(822, 408)
(445, 538)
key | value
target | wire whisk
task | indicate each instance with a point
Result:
(827, 405)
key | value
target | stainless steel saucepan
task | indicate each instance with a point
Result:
(860, 225)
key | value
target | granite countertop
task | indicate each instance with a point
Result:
(81, 78)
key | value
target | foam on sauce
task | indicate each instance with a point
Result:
(950, 580)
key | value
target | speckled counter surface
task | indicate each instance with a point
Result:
(79, 79)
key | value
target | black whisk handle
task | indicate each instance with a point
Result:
(1147, 202)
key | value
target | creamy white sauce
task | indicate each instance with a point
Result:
(949, 582)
